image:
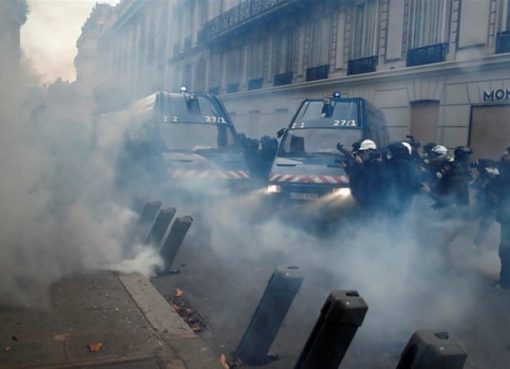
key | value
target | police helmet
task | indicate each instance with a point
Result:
(367, 145)
(427, 148)
(397, 150)
(408, 146)
(462, 152)
(439, 151)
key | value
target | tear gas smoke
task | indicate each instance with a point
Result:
(59, 211)
(399, 266)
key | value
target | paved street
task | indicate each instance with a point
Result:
(223, 286)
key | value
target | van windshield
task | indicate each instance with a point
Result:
(311, 141)
(193, 137)
(327, 113)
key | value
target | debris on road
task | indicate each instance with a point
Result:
(195, 321)
(61, 337)
(179, 292)
(7, 348)
(223, 361)
(95, 346)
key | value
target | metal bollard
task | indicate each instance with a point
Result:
(428, 349)
(174, 239)
(160, 226)
(149, 211)
(281, 289)
(341, 315)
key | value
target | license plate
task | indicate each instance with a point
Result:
(303, 196)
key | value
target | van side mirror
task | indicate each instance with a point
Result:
(281, 132)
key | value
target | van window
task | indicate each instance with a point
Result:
(190, 136)
(325, 113)
(301, 142)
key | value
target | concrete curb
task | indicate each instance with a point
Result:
(164, 319)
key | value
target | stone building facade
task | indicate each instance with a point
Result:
(439, 69)
(13, 14)
(87, 45)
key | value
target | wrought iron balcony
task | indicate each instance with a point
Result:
(427, 54)
(315, 73)
(244, 13)
(503, 42)
(254, 84)
(282, 79)
(362, 65)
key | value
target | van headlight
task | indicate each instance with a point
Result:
(342, 192)
(274, 189)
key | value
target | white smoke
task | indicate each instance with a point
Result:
(59, 210)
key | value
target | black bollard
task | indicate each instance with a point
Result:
(174, 239)
(428, 349)
(342, 314)
(281, 289)
(149, 211)
(160, 226)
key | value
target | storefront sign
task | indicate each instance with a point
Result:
(496, 95)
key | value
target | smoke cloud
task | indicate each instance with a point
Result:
(60, 214)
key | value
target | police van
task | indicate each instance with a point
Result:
(185, 140)
(308, 166)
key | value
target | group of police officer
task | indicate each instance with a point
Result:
(385, 180)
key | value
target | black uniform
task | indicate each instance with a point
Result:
(499, 187)
(453, 187)
(400, 180)
(365, 180)
(485, 206)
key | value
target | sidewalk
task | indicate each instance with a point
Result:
(101, 320)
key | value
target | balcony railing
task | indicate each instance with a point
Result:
(232, 87)
(427, 54)
(362, 65)
(503, 42)
(242, 13)
(254, 84)
(282, 79)
(315, 73)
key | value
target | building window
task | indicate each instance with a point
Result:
(427, 22)
(204, 12)
(151, 43)
(503, 37)
(364, 29)
(234, 65)
(256, 59)
(427, 32)
(215, 71)
(200, 73)
(186, 76)
(284, 51)
(318, 53)
(506, 16)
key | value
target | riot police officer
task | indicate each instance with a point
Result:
(365, 175)
(499, 187)
(400, 179)
(453, 181)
